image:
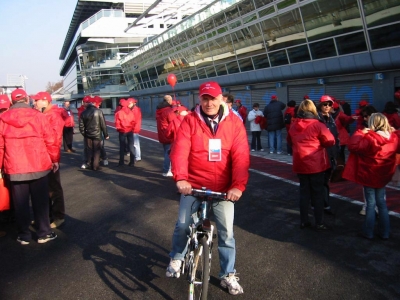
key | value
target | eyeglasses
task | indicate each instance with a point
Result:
(327, 104)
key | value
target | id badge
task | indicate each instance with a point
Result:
(214, 150)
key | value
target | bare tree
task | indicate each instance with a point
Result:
(54, 86)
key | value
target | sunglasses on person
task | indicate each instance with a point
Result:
(327, 104)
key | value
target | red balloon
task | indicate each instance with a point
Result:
(171, 79)
(397, 94)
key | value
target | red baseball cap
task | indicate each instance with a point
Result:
(4, 101)
(305, 97)
(363, 103)
(211, 88)
(335, 105)
(238, 101)
(97, 99)
(18, 94)
(87, 99)
(132, 100)
(326, 98)
(273, 97)
(42, 96)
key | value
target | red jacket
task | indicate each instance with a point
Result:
(189, 154)
(138, 119)
(341, 121)
(68, 117)
(173, 127)
(164, 116)
(124, 120)
(243, 113)
(309, 138)
(80, 110)
(372, 159)
(289, 110)
(360, 120)
(26, 143)
(53, 114)
(394, 120)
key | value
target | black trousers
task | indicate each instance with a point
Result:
(256, 140)
(312, 188)
(93, 153)
(38, 191)
(56, 196)
(122, 146)
(68, 136)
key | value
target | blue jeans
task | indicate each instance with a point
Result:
(376, 197)
(136, 145)
(224, 214)
(167, 161)
(271, 140)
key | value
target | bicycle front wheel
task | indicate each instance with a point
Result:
(201, 270)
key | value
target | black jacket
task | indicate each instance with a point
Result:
(274, 115)
(92, 123)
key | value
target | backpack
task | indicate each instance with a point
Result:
(287, 119)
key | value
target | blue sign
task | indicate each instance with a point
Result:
(321, 81)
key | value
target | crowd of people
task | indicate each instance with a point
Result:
(203, 146)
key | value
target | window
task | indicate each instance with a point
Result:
(351, 43)
(298, 54)
(322, 49)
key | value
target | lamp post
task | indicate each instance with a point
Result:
(23, 78)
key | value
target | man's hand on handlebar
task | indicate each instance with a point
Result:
(233, 194)
(184, 187)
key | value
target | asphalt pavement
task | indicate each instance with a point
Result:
(116, 238)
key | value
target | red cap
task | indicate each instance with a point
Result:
(274, 97)
(18, 94)
(305, 97)
(326, 98)
(42, 96)
(121, 100)
(397, 94)
(211, 88)
(238, 101)
(132, 100)
(97, 99)
(363, 103)
(335, 105)
(4, 101)
(87, 99)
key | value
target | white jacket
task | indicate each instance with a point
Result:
(251, 117)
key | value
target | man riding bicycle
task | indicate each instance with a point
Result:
(210, 150)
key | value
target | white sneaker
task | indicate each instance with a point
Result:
(105, 162)
(362, 211)
(252, 150)
(280, 152)
(270, 152)
(262, 150)
(168, 174)
(174, 268)
(231, 283)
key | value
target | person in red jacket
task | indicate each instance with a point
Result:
(136, 130)
(392, 114)
(358, 112)
(68, 130)
(222, 169)
(372, 163)
(173, 127)
(53, 113)
(125, 123)
(242, 110)
(288, 116)
(24, 131)
(309, 139)
(164, 116)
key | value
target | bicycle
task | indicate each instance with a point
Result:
(197, 262)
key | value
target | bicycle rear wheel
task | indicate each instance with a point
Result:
(201, 270)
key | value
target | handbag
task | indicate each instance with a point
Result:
(4, 195)
(337, 172)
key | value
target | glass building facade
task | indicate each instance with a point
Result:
(232, 37)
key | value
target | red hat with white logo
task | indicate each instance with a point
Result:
(87, 99)
(18, 94)
(211, 88)
(4, 101)
(42, 96)
(326, 98)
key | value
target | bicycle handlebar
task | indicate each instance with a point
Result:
(208, 193)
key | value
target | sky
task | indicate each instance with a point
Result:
(32, 36)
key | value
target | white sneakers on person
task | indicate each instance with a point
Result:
(231, 283)
(362, 211)
(105, 162)
(174, 268)
(168, 174)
